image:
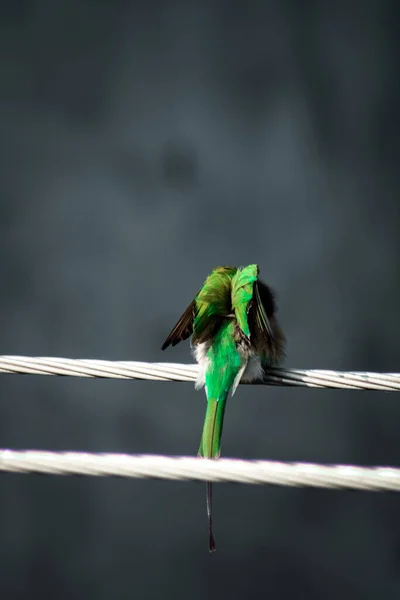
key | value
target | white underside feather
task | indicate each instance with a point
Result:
(250, 370)
(200, 354)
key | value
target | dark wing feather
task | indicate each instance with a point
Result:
(261, 321)
(266, 335)
(267, 298)
(183, 329)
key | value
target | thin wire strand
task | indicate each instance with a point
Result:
(182, 468)
(314, 378)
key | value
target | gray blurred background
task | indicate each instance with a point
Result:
(142, 144)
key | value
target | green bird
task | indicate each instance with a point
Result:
(235, 335)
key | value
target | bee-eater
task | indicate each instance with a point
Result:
(235, 335)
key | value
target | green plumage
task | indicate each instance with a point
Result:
(224, 365)
(242, 294)
(233, 325)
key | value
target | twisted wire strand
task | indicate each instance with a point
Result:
(184, 468)
(315, 378)
(188, 468)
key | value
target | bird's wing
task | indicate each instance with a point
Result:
(259, 306)
(183, 329)
(242, 293)
(266, 335)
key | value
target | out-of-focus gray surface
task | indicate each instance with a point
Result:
(141, 145)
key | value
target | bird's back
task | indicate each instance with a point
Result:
(213, 304)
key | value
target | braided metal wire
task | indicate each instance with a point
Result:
(184, 372)
(183, 468)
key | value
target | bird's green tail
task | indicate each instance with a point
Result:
(210, 443)
(224, 365)
(210, 447)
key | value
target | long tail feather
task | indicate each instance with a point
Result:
(210, 448)
(211, 542)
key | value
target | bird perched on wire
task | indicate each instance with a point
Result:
(235, 335)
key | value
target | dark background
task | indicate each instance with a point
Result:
(141, 145)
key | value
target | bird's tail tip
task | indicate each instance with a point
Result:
(211, 542)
